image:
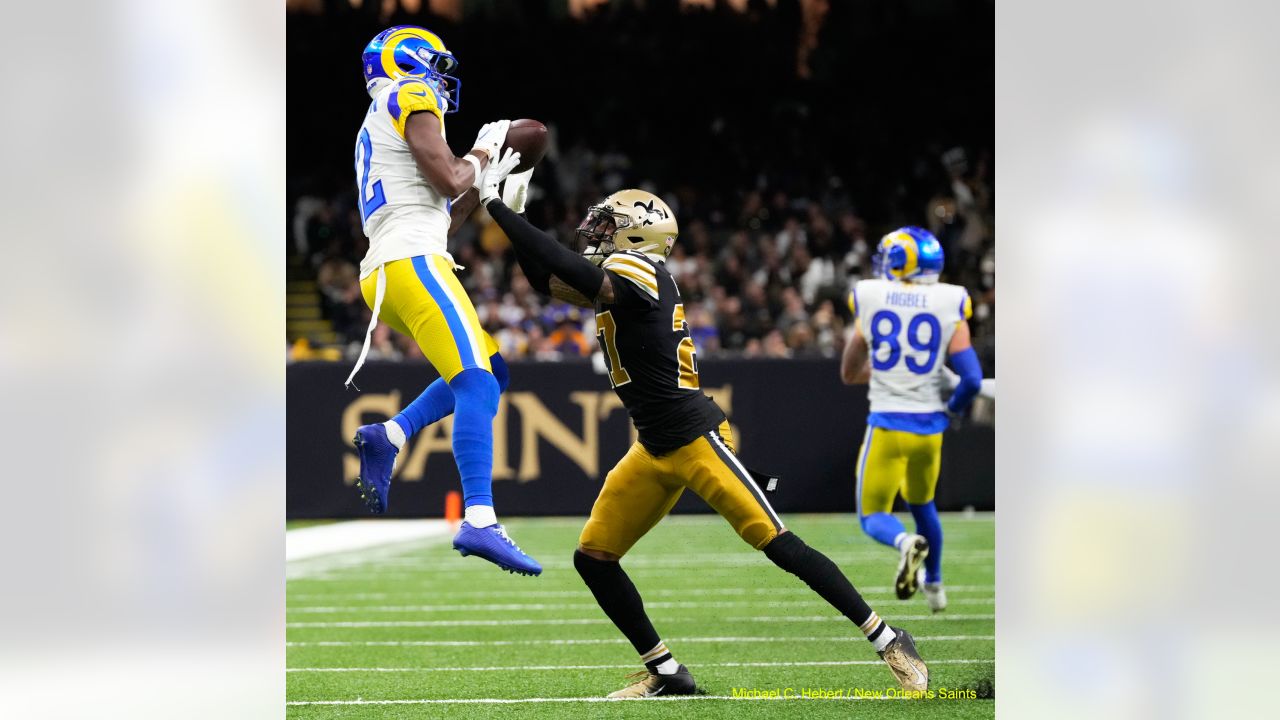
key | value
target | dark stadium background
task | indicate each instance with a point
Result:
(788, 136)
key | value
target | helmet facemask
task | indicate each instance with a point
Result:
(597, 230)
(438, 67)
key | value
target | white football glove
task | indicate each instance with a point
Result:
(495, 173)
(491, 137)
(515, 193)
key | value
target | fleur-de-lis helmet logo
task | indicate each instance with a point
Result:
(651, 214)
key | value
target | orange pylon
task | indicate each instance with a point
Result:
(453, 507)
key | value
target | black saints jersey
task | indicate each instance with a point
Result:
(651, 358)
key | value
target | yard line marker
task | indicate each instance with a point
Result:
(729, 559)
(677, 604)
(415, 568)
(823, 618)
(446, 575)
(447, 623)
(516, 701)
(608, 641)
(604, 621)
(516, 668)
(585, 594)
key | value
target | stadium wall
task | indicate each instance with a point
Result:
(560, 428)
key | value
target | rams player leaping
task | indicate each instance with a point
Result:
(685, 440)
(407, 178)
(903, 323)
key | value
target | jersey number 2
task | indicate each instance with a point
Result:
(885, 327)
(369, 201)
(607, 333)
(685, 351)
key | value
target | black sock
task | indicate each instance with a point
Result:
(790, 553)
(621, 601)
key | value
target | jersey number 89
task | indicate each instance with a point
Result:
(886, 327)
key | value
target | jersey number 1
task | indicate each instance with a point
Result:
(369, 202)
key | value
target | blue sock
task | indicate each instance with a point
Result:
(475, 393)
(437, 400)
(928, 526)
(882, 527)
(434, 403)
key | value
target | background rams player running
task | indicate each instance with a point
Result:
(902, 323)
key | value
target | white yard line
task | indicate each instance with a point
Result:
(319, 540)
(723, 560)
(610, 641)
(445, 574)
(528, 607)
(585, 594)
(604, 621)
(518, 701)
(442, 577)
(521, 668)
(821, 618)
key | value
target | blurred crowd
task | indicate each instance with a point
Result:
(767, 276)
(781, 195)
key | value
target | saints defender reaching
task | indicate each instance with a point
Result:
(685, 440)
(407, 179)
(902, 323)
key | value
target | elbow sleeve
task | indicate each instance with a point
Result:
(970, 370)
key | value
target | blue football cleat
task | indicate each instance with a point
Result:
(493, 544)
(377, 460)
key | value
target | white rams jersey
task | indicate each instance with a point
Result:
(403, 215)
(908, 327)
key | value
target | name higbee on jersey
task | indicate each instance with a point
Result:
(652, 362)
(900, 298)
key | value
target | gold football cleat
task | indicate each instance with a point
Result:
(901, 657)
(652, 685)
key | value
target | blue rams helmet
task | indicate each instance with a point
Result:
(909, 253)
(411, 51)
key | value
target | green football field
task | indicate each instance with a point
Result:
(413, 630)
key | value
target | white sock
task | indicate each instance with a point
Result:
(883, 639)
(395, 433)
(480, 516)
(897, 541)
(668, 667)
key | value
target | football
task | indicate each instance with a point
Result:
(529, 138)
